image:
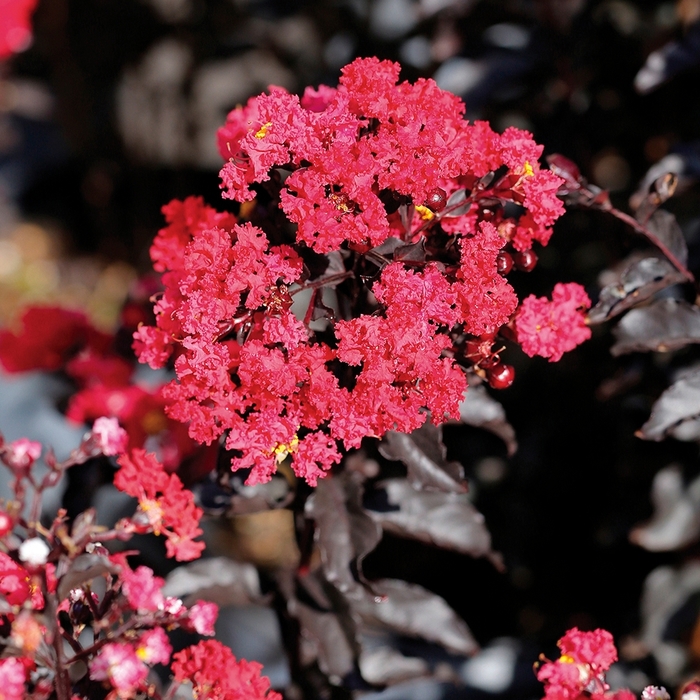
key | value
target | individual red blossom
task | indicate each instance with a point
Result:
(110, 437)
(118, 663)
(202, 616)
(551, 328)
(486, 299)
(215, 674)
(185, 220)
(153, 647)
(21, 454)
(596, 648)
(16, 585)
(46, 338)
(142, 589)
(166, 505)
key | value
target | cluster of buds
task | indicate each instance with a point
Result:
(77, 621)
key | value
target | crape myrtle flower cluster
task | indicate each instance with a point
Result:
(579, 672)
(77, 620)
(365, 270)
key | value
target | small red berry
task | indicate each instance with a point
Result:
(504, 263)
(500, 376)
(436, 199)
(525, 260)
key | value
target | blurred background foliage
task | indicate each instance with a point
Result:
(112, 112)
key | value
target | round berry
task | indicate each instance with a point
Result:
(504, 263)
(500, 376)
(525, 260)
(436, 199)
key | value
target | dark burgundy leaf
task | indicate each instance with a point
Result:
(218, 579)
(675, 523)
(386, 666)
(82, 570)
(679, 403)
(344, 531)
(415, 252)
(660, 190)
(323, 639)
(481, 410)
(639, 281)
(411, 610)
(452, 201)
(446, 520)
(566, 169)
(423, 453)
(664, 229)
(667, 324)
(388, 247)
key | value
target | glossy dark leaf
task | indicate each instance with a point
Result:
(408, 609)
(344, 532)
(660, 191)
(219, 579)
(386, 666)
(481, 410)
(323, 639)
(666, 324)
(452, 201)
(423, 453)
(665, 230)
(82, 570)
(446, 520)
(415, 252)
(639, 281)
(679, 403)
(676, 519)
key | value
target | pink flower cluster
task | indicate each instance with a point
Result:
(551, 328)
(165, 506)
(390, 185)
(580, 670)
(216, 674)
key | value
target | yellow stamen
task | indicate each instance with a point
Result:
(153, 512)
(262, 131)
(527, 169)
(424, 213)
(283, 449)
(566, 659)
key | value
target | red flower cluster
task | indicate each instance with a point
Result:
(215, 674)
(580, 671)
(52, 338)
(397, 191)
(165, 506)
(551, 328)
